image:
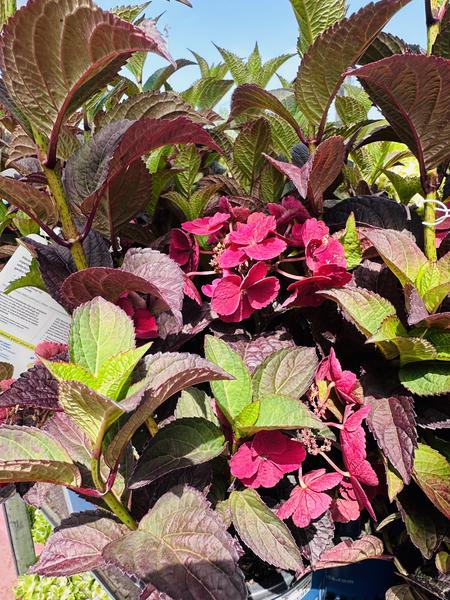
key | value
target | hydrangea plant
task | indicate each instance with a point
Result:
(291, 274)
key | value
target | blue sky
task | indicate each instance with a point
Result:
(238, 24)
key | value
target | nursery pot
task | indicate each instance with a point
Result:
(283, 587)
(368, 580)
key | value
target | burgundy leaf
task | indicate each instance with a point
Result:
(410, 91)
(40, 34)
(318, 173)
(392, 421)
(415, 307)
(76, 545)
(182, 544)
(254, 351)
(65, 431)
(35, 203)
(35, 388)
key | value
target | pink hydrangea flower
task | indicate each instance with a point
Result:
(308, 500)
(252, 240)
(184, 250)
(345, 382)
(288, 210)
(235, 299)
(303, 291)
(346, 507)
(265, 460)
(145, 326)
(49, 350)
(320, 248)
(206, 225)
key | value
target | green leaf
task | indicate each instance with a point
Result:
(250, 97)
(232, 396)
(160, 76)
(131, 12)
(288, 372)
(99, 330)
(406, 186)
(32, 278)
(93, 412)
(180, 444)
(314, 17)
(349, 110)
(399, 251)
(253, 140)
(351, 243)
(263, 532)
(433, 282)
(206, 93)
(248, 416)
(441, 342)
(236, 66)
(188, 161)
(365, 309)
(414, 349)
(323, 67)
(441, 46)
(282, 412)
(195, 403)
(30, 454)
(432, 475)
(63, 371)
(429, 379)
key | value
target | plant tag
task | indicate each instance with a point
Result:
(27, 315)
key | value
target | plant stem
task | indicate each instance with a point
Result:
(430, 230)
(58, 192)
(68, 226)
(334, 465)
(109, 498)
(433, 24)
(151, 426)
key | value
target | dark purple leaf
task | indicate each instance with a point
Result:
(35, 388)
(415, 307)
(433, 582)
(410, 91)
(439, 320)
(77, 544)
(377, 211)
(434, 417)
(384, 45)
(35, 203)
(182, 544)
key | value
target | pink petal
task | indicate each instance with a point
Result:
(313, 230)
(261, 294)
(289, 210)
(209, 288)
(243, 311)
(337, 276)
(227, 295)
(288, 454)
(126, 305)
(345, 508)
(184, 250)
(145, 324)
(206, 225)
(255, 274)
(362, 470)
(269, 474)
(243, 464)
(49, 349)
(315, 504)
(362, 498)
(320, 480)
(266, 250)
(287, 508)
(330, 252)
(232, 257)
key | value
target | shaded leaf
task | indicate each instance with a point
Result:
(322, 67)
(182, 443)
(393, 424)
(76, 545)
(263, 532)
(441, 46)
(252, 141)
(408, 89)
(288, 372)
(30, 454)
(384, 45)
(351, 551)
(315, 539)
(195, 403)
(182, 544)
